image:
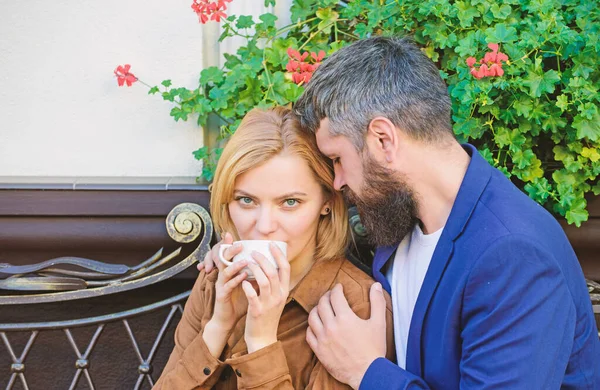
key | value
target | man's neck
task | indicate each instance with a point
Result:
(442, 174)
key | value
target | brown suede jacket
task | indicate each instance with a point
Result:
(287, 364)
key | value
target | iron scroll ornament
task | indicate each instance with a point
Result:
(184, 224)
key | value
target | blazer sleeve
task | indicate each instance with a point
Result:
(518, 323)
(191, 365)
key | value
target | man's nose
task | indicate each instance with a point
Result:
(266, 223)
(338, 180)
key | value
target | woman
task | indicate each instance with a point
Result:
(271, 183)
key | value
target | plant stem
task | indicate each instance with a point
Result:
(141, 82)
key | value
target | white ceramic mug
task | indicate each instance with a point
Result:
(261, 246)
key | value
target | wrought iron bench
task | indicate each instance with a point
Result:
(66, 281)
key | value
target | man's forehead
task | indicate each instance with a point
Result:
(322, 135)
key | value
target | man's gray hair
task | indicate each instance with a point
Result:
(379, 76)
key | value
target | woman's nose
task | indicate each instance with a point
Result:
(266, 223)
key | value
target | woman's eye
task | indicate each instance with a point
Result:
(245, 200)
(291, 202)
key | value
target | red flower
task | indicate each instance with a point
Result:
(501, 57)
(217, 15)
(303, 77)
(319, 57)
(495, 70)
(300, 67)
(124, 76)
(292, 66)
(221, 3)
(210, 10)
(491, 63)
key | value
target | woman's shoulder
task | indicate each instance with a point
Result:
(357, 285)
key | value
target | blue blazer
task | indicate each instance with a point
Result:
(504, 303)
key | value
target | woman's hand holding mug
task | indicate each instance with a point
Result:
(266, 306)
(230, 300)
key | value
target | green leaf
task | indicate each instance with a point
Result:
(277, 53)
(200, 153)
(554, 123)
(466, 13)
(245, 21)
(177, 114)
(501, 12)
(268, 20)
(586, 128)
(302, 9)
(561, 153)
(166, 83)
(562, 102)
(153, 90)
(588, 110)
(591, 153)
(541, 83)
(328, 17)
(523, 106)
(501, 34)
(362, 30)
(269, 2)
(211, 75)
(539, 189)
(583, 70)
(293, 92)
(577, 212)
(487, 154)
(523, 159)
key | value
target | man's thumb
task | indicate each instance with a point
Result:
(377, 304)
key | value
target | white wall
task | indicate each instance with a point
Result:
(61, 112)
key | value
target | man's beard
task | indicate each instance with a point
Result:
(387, 206)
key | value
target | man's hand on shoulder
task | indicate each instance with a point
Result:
(344, 343)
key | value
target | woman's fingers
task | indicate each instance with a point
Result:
(269, 270)
(283, 265)
(210, 260)
(228, 254)
(251, 295)
(262, 280)
(231, 271)
(234, 282)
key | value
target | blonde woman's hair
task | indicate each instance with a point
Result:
(261, 136)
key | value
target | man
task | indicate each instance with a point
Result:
(487, 291)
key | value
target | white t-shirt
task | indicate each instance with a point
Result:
(405, 275)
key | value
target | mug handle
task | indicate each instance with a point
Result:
(221, 250)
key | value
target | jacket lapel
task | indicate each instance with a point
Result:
(476, 179)
(382, 255)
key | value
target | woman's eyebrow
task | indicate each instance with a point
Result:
(243, 193)
(282, 197)
(291, 195)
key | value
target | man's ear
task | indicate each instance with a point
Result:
(382, 138)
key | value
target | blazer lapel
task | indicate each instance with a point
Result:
(439, 261)
(476, 179)
(382, 255)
